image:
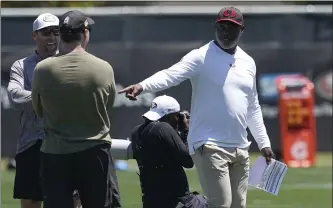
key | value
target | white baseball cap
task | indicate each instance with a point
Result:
(45, 20)
(161, 106)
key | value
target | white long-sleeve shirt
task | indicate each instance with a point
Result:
(224, 96)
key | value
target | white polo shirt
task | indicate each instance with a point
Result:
(224, 96)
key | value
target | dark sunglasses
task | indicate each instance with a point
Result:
(48, 31)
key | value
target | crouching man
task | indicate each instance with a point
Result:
(160, 149)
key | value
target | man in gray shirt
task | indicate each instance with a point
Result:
(27, 186)
(72, 92)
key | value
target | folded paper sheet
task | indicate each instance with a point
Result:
(267, 177)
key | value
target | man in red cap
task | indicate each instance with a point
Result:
(224, 103)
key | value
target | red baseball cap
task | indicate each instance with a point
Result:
(231, 14)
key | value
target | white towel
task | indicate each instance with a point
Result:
(121, 149)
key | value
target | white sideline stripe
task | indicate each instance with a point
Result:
(308, 172)
(302, 186)
(270, 206)
(295, 186)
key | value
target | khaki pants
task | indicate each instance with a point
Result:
(223, 174)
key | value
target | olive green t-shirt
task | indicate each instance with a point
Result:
(73, 93)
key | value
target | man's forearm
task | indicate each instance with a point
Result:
(19, 98)
(160, 81)
(18, 95)
(258, 129)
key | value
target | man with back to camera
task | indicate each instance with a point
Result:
(72, 92)
(224, 103)
(161, 153)
(27, 186)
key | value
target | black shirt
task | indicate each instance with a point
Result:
(161, 155)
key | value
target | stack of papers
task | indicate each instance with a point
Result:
(267, 177)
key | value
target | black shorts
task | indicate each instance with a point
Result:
(91, 172)
(27, 183)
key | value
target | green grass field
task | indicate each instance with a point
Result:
(301, 188)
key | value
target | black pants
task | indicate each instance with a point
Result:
(27, 183)
(91, 172)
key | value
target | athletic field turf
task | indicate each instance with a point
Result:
(301, 188)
